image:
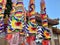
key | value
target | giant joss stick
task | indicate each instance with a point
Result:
(32, 27)
(43, 14)
(46, 31)
(17, 16)
(16, 23)
(2, 9)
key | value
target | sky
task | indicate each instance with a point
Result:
(52, 8)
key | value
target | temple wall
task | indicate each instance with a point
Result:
(59, 38)
(3, 41)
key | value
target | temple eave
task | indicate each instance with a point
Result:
(56, 30)
(50, 21)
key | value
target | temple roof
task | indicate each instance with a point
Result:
(50, 21)
(55, 30)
